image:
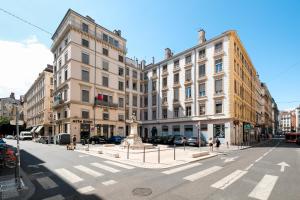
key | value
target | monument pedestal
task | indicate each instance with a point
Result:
(133, 140)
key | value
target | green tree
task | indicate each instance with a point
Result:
(4, 120)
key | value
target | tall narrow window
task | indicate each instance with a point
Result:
(85, 43)
(105, 65)
(202, 109)
(188, 111)
(218, 106)
(188, 59)
(85, 96)
(176, 78)
(176, 94)
(218, 86)
(105, 51)
(201, 70)
(188, 75)
(201, 53)
(202, 89)
(188, 92)
(85, 58)
(85, 75)
(85, 27)
(219, 65)
(105, 81)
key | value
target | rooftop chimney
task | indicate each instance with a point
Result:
(12, 95)
(168, 53)
(201, 36)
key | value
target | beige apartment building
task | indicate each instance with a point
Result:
(89, 78)
(38, 104)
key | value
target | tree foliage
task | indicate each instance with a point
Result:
(4, 120)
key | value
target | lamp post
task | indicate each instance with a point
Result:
(199, 134)
(16, 123)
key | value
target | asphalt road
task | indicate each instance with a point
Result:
(245, 174)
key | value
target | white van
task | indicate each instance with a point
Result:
(25, 135)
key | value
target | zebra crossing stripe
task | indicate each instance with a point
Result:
(178, 169)
(202, 173)
(86, 189)
(46, 183)
(119, 164)
(264, 188)
(228, 180)
(110, 182)
(88, 171)
(104, 167)
(67, 175)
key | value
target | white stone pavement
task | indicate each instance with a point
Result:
(151, 160)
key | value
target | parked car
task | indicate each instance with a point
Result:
(115, 139)
(25, 135)
(194, 141)
(9, 137)
(97, 139)
(63, 138)
(170, 139)
(180, 140)
(298, 141)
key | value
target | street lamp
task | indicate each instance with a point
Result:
(199, 134)
(11, 108)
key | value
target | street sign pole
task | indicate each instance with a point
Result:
(18, 150)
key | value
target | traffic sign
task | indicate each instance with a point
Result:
(13, 122)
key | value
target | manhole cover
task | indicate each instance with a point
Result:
(142, 191)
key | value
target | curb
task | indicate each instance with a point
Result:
(29, 187)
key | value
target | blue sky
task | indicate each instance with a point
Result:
(269, 30)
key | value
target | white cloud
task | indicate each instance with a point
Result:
(20, 64)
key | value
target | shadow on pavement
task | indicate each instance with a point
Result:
(34, 169)
(274, 141)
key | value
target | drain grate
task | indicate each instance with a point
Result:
(141, 191)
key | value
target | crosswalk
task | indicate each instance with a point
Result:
(79, 175)
(261, 191)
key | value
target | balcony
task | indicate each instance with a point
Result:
(154, 76)
(165, 73)
(188, 82)
(219, 52)
(176, 68)
(202, 59)
(188, 65)
(106, 104)
(58, 102)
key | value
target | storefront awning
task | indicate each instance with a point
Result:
(38, 129)
(33, 129)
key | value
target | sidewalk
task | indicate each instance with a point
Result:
(153, 158)
(8, 187)
(162, 157)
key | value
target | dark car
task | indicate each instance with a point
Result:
(97, 139)
(170, 139)
(115, 139)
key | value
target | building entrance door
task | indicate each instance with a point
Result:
(84, 131)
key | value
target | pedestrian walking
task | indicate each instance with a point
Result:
(218, 143)
(74, 141)
(210, 143)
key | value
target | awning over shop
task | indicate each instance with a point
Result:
(38, 129)
(33, 129)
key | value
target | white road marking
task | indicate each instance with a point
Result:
(230, 159)
(178, 169)
(67, 175)
(88, 171)
(33, 166)
(120, 165)
(81, 156)
(104, 167)
(247, 168)
(257, 160)
(46, 183)
(56, 197)
(86, 189)
(228, 180)
(202, 173)
(283, 165)
(264, 188)
(110, 182)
